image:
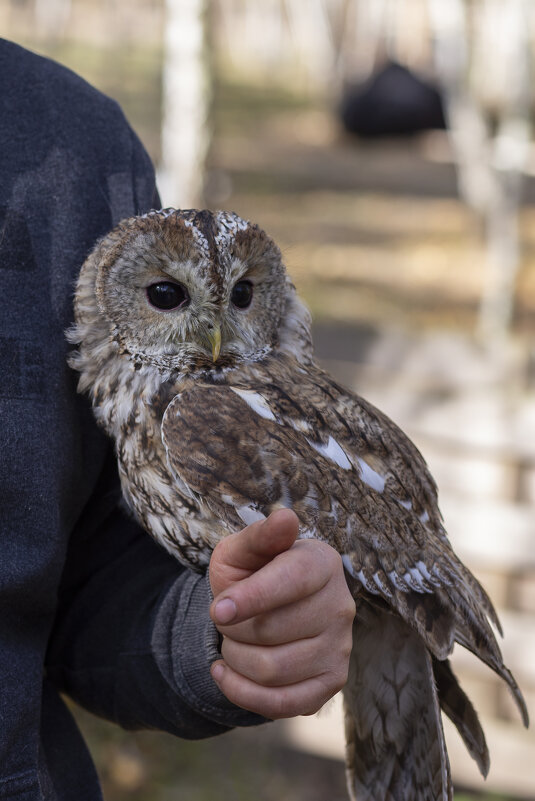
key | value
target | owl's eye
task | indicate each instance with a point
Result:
(167, 295)
(242, 294)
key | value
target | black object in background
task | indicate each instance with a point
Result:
(392, 102)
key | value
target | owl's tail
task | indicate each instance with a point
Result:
(458, 707)
(394, 738)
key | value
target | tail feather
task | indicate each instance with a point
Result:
(488, 651)
(458, 707)
(395, 742)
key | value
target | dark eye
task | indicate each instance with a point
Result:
(242, 294)
(166, 295)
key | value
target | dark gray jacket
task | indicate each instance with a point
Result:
(89, 605)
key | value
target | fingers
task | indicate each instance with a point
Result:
(296, 643)
(239, 555)
(278, 665)
(295, 620)
(290, 577)
(302, 698)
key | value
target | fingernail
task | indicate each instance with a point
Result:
(217, 672)
(225, 611)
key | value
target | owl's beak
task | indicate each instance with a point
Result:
(215, 341)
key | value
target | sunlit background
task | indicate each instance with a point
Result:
(386, 145)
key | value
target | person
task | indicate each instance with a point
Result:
(90, 605)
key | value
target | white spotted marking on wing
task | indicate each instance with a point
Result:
(370, 476)
(415, 580)
(397, 581)
(346, 561)
(364, 580)
(424, 517)
(406, 504)
(300, 425)
(382, 586)
(333, 451)
(249, 514)
(375, 588)
(256, 402)
(422, 568)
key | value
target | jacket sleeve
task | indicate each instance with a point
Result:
(133, 641)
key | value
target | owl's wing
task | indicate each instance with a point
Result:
(354, 480)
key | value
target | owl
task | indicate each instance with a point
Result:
(198, 358)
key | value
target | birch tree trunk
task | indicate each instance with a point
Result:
(186, 103)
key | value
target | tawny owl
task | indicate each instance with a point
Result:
(197, 355)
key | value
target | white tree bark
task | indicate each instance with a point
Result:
(186, 103)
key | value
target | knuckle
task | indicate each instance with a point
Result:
(340, 680)
(333, 680)
(346, 649)
(345, 613)
(349, 604)
(280, 705)
(263, 630)
(289, 703)
(331, 559)
(312, 709)
(316, 700)
(265, 670)
(315, 561)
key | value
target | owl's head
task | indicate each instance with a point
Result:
(188, 290)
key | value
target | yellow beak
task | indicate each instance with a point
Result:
(215, 341)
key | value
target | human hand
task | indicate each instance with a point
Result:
(285, 613)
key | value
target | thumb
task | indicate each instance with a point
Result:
(239, 555)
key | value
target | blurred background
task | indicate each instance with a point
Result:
(386, 145)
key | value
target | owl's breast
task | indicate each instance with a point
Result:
(171, 513)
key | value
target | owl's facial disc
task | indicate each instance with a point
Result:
(193, 290)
